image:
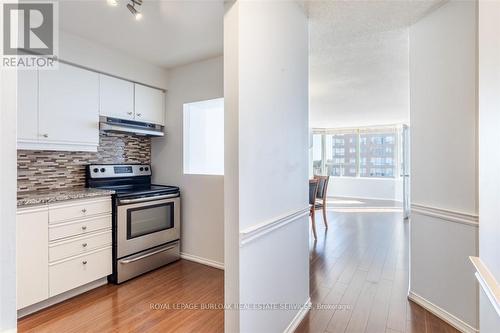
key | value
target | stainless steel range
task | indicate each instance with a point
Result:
(146, 219)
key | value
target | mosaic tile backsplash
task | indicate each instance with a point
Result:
(50, 170)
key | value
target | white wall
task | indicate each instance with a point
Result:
(489, 153)
(202, 207)
(8, 108)
(8, 188)
(266, 147)
(366, 188)
(99, 57)
(444, 160)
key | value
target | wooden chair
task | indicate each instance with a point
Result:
(313, 192)
(321, 196)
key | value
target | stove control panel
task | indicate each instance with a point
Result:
(118, 170)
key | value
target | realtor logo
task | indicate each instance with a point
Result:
(35, 28)
(29, 35)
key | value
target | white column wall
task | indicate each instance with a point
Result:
(444, 195)
(489, 155)
(266, 92)
(8, 192)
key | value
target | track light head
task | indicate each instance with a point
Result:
(134, 11)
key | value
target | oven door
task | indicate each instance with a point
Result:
(143, 223)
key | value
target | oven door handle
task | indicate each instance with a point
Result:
(159, 197)
(145, 255)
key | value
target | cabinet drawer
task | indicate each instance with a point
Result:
(78, 209)
(72, 273)
(80, 245)
(79, 228)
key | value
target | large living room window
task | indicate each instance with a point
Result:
(358, 152)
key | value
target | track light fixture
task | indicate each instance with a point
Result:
(131, 7)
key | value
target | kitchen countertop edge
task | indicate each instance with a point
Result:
(37, 198)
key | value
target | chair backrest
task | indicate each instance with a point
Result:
(322, 186)
(313, 190)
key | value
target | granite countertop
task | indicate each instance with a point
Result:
(45, 197)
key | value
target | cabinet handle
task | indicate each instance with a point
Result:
(84, 211)
(44, 135)
(139, 114)
(84, 262)
(84, 227)
(129, 113)
(84, 244)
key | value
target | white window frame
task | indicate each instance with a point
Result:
(187, 166)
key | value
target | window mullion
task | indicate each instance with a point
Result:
(323, 154)
(358, 162)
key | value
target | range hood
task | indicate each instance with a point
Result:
(109, 124)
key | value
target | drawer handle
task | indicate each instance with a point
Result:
(129, 113)
(139, 114)
(84, 262)
(84, 244)
(84, 227)
(84, 211)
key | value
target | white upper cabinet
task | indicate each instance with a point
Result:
(27, 105)
(116, 97)
(68, 106)
(149, 105)
(59, 109)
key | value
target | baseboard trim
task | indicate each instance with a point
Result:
(441, 313)
(298, 317)
(444, 214)
(259, 230)
(363, 198)
(203, 261)
(61, 297)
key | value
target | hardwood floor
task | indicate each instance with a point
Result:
(360, 265)
(128, 307)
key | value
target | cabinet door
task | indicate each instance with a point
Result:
(116, 97)
(32, 255)
(27, 105)
(149, 105)
(69, 105)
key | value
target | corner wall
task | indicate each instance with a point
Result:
(202, 206)
(444, 195)
(489, 165)
(8, 109)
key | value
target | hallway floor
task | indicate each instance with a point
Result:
(361, 265)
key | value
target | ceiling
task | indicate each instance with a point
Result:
(170, 33)
(359, 61)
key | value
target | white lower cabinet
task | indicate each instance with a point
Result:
(59, 250)
(77, 271)
(32, 256)
(78, 246)
(78, 227)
